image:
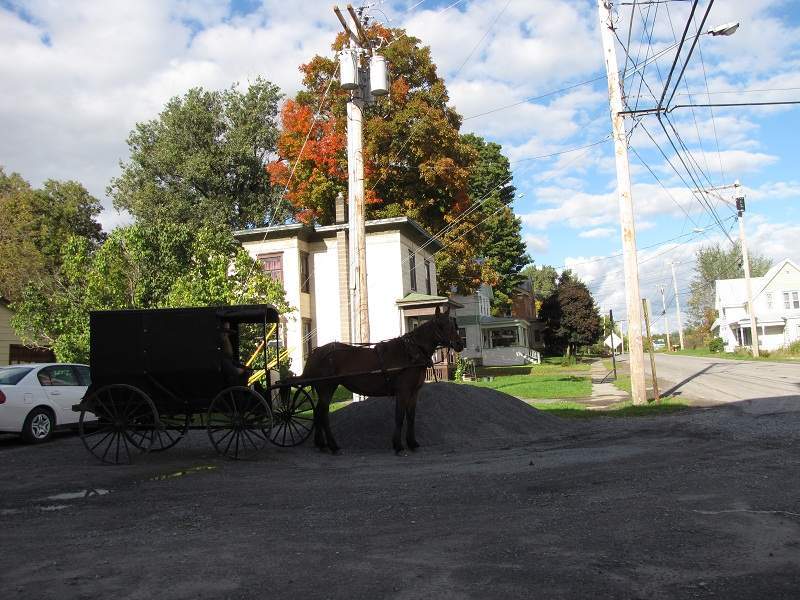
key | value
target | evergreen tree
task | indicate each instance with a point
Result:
(571, 316)
(502, 245)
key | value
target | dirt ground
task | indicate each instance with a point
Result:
(703, 504)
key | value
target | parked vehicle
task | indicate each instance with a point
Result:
(36, 399)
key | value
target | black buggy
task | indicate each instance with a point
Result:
(158, 373)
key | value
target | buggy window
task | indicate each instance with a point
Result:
(58, 375)
(13, 375)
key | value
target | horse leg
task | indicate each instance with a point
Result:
(411, 413)
(399, 415)
(320, 412)
(326, 424)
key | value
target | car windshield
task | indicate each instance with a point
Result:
(12, 375)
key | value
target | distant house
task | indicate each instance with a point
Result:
(513, 339)
(312, 263)
(776, 301)
(12, 349)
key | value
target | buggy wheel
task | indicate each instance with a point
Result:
(118, 423)
(171, 429)
(239, 422)
(293, 409)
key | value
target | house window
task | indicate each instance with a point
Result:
(412, 269)
(462, 333)
(308, 337)
(305, 273)
(427, 277)
(791, 300)
(769, 301)
(502, 338)
(273, 265)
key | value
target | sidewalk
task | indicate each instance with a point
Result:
(604, 392)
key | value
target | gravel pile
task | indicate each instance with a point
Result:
(449, 415)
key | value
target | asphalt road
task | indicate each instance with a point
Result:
(720, 381)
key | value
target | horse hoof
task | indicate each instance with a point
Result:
(400, 453)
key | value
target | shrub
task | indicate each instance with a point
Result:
(794, 347)
(716, 344)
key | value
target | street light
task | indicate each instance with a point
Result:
(726, 29)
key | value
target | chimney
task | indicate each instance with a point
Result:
(341, 211)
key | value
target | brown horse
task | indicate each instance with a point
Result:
(395, 367)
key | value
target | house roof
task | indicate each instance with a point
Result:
(489, 322)
(415, 298)
(407, 226)
(733, 292)
(771, 274)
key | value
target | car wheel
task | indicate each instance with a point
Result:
(39, 426)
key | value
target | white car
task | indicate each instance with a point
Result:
(37, 398)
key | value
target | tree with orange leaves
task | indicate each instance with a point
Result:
(416, 162)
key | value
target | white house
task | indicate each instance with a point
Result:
(312, 263)
(776, 301)
(499, 341)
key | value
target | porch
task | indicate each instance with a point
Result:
(416, 309)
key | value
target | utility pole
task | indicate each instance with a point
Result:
(666, 319)
(613, 345)
(363, 79)
(646, 306)
(746, 264)
(632, 295)
(739, 199)
(677, 303)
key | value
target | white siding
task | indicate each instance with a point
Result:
(325, 291)
(384, 284)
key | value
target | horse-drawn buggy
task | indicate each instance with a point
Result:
(158, 373)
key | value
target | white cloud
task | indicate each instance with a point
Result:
(537, 244)
(598, 232)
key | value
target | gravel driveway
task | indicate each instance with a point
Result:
(704, 504)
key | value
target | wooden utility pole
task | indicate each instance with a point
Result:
(646, 307)
(613, 345)
(746, 265)
(359, 323)
(666, 319)
(677, 304)
(632, 295)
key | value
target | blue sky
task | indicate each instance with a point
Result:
(78, 79)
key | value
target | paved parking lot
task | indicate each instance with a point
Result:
(704, 504)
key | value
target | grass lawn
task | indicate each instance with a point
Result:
(776, 356)
(543, 386)
(548, 367)
(575, 410)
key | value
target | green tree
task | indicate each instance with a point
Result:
(202, 160)
(571, 316)
(417, 164)
(712, 263)
(139, 267)
(501, 244)
(36, 225)
(545, 281)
